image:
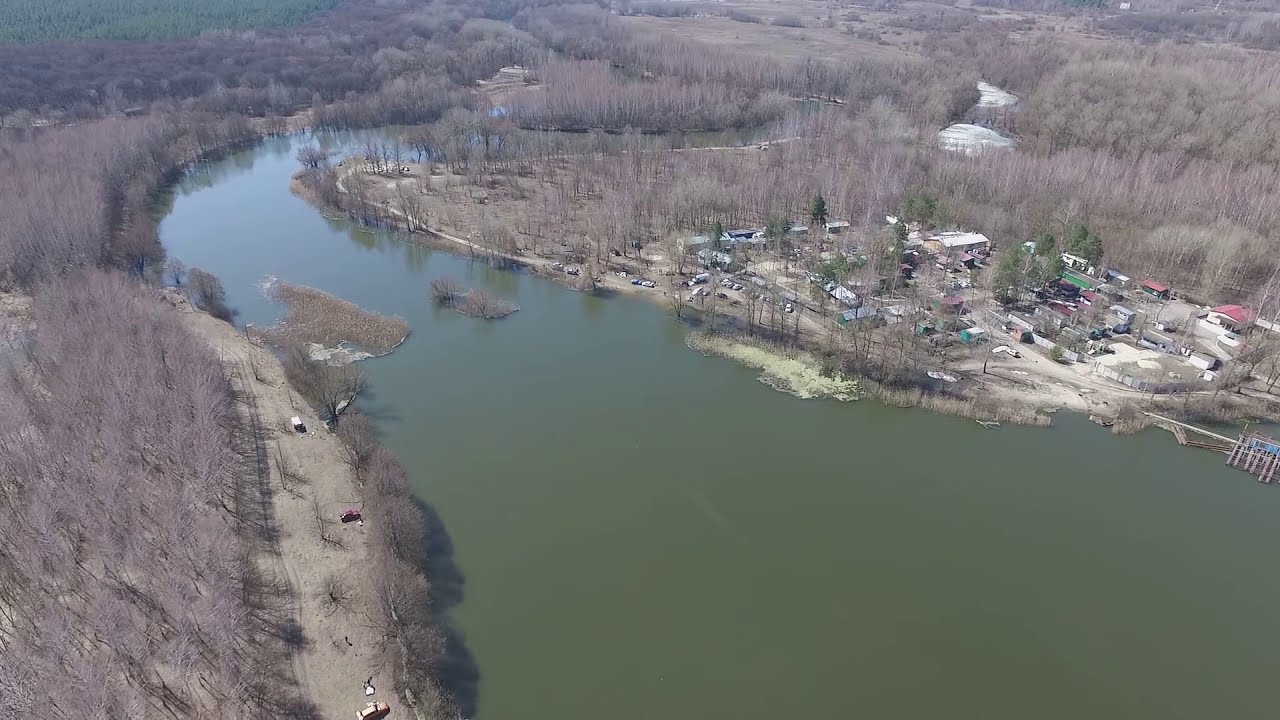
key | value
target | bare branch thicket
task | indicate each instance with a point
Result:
(335, 594)
(313, 157)
(359, 440)
(206, 293)
(323, 525)
(329, 388)
(446, 291)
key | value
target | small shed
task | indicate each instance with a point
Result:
(835, 227)
(1122, 313)
(1078, 279)
(1155, 289)
(856, 314)
(698, 243)
(1117, 278)
(951, 304)
(972, 335)
(1202, 361)
(846, 296)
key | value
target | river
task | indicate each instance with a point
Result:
(643, 532)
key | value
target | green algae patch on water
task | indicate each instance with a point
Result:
(795, 373)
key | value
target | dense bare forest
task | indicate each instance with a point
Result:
(35, 21)
(128, 580)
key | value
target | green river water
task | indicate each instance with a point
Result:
(639, 531)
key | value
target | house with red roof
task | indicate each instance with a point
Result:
(1232, 317)
(1155, 289)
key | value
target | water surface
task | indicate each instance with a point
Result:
(644, 532)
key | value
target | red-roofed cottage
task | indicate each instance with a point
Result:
(1160, 290)
(1232, 317)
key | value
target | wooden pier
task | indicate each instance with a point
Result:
(1256, 454)
(1209, 440)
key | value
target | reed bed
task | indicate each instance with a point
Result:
(796, 373)
(315, 317)
(979, 409)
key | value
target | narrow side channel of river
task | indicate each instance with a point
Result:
(642, 532)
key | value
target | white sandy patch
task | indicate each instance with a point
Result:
(991, 96)
(340, 355)
(972, 139)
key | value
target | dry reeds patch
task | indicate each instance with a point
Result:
(314, 316)
(972, 408)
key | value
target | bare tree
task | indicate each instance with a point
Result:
(206, 293)
(359, 440)
(446, 291)
(322, 524)
(330, 388)
(176, 270)
(335, 594)
(313, 157)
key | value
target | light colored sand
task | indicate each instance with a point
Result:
(330, 671)
(972, 139)
(991, 96)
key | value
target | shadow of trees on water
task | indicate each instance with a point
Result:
(458, 672)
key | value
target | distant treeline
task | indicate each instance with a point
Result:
(31, 21)
(397, 56)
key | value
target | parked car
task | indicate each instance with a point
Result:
(789, 308)
(722, 296)
(737, 286)
(637, 281)
(649, 284)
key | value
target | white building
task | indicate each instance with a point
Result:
(956, 240)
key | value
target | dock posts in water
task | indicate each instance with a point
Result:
(1256, 454)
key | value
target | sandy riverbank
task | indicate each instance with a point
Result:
(332, 657)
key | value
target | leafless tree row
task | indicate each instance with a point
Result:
(79, 197)
(582, 95)
(409, 643)
(930, 92)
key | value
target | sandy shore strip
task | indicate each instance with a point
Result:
(331, 656)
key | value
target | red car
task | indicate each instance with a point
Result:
(349, 515)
